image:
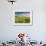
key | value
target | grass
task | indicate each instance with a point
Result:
(22, 19)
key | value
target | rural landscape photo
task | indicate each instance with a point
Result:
(22, 17)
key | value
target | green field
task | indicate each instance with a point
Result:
(22, 19)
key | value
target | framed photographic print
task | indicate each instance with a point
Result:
(23, 18)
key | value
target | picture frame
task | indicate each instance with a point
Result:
(23, 17)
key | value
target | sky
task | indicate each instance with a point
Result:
(22, 13)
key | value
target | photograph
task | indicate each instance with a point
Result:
(23, 18)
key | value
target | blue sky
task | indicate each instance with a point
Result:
(22, 13)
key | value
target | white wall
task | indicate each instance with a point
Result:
(9, 31)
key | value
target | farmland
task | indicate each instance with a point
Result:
(22, 19)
